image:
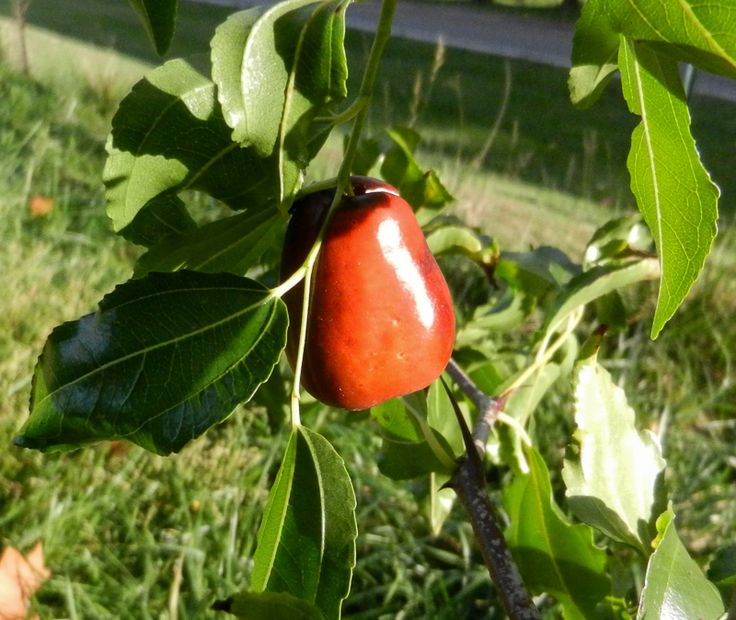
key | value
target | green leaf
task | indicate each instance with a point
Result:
(595, 283)
(159, 19)
(536, 272)
(700, 33)
(269, 606)
(422, 190)
(594, 54)
(507, 314)
(168, 136)
(614, 481)
(553, 555)
(411, 446)
(162, 360)
(674, 586)
(278, 70)
(672, 189)
(306, 542)
(163, 217)
(232, 244)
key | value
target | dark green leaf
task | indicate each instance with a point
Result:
(159, 19)
(722, 569)
(270, 606)
(232, 244)
(163, 359)
(406, 460)
(163, 217)
(411, 447)
(619, 496)
(306, 542)
(553, 555)
(674, 586)
(673, 190)
(537, 271)
(278, 69)
(169, 135)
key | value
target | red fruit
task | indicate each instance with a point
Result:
(381, 320)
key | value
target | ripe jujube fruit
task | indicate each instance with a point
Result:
(381, 321)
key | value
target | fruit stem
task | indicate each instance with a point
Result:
(343, 186)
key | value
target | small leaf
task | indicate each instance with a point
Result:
(168, 136)
(536, 272)
(269, 606)
(619, 496)
(422, 190)
(306, 542)
(159, 19)
(411, 447)
(674, 586)
(163, 359)
(672, 189)
(594, 54)
(553, 555)
(231, 245)
(278, 70)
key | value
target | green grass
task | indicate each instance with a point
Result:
(131, 535)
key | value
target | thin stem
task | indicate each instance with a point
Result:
(469, 483)
(488, 407)
(342, 187)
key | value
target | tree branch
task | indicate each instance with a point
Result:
(469, 482)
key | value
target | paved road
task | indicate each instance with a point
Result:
(532, 38)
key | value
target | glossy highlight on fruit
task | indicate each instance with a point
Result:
(381, 321)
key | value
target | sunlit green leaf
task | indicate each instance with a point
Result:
(553, 555)
(278, 69)
(306, 542)
(164, 358)
(672, 189)
(231, 244)
(614, 480)
(700, 33)
(674, 586)
(168, 136)
(159, 19)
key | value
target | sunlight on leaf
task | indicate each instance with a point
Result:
(306, 542)
(673, 190)
(674, 586)
(617, 495)
(163, 359)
